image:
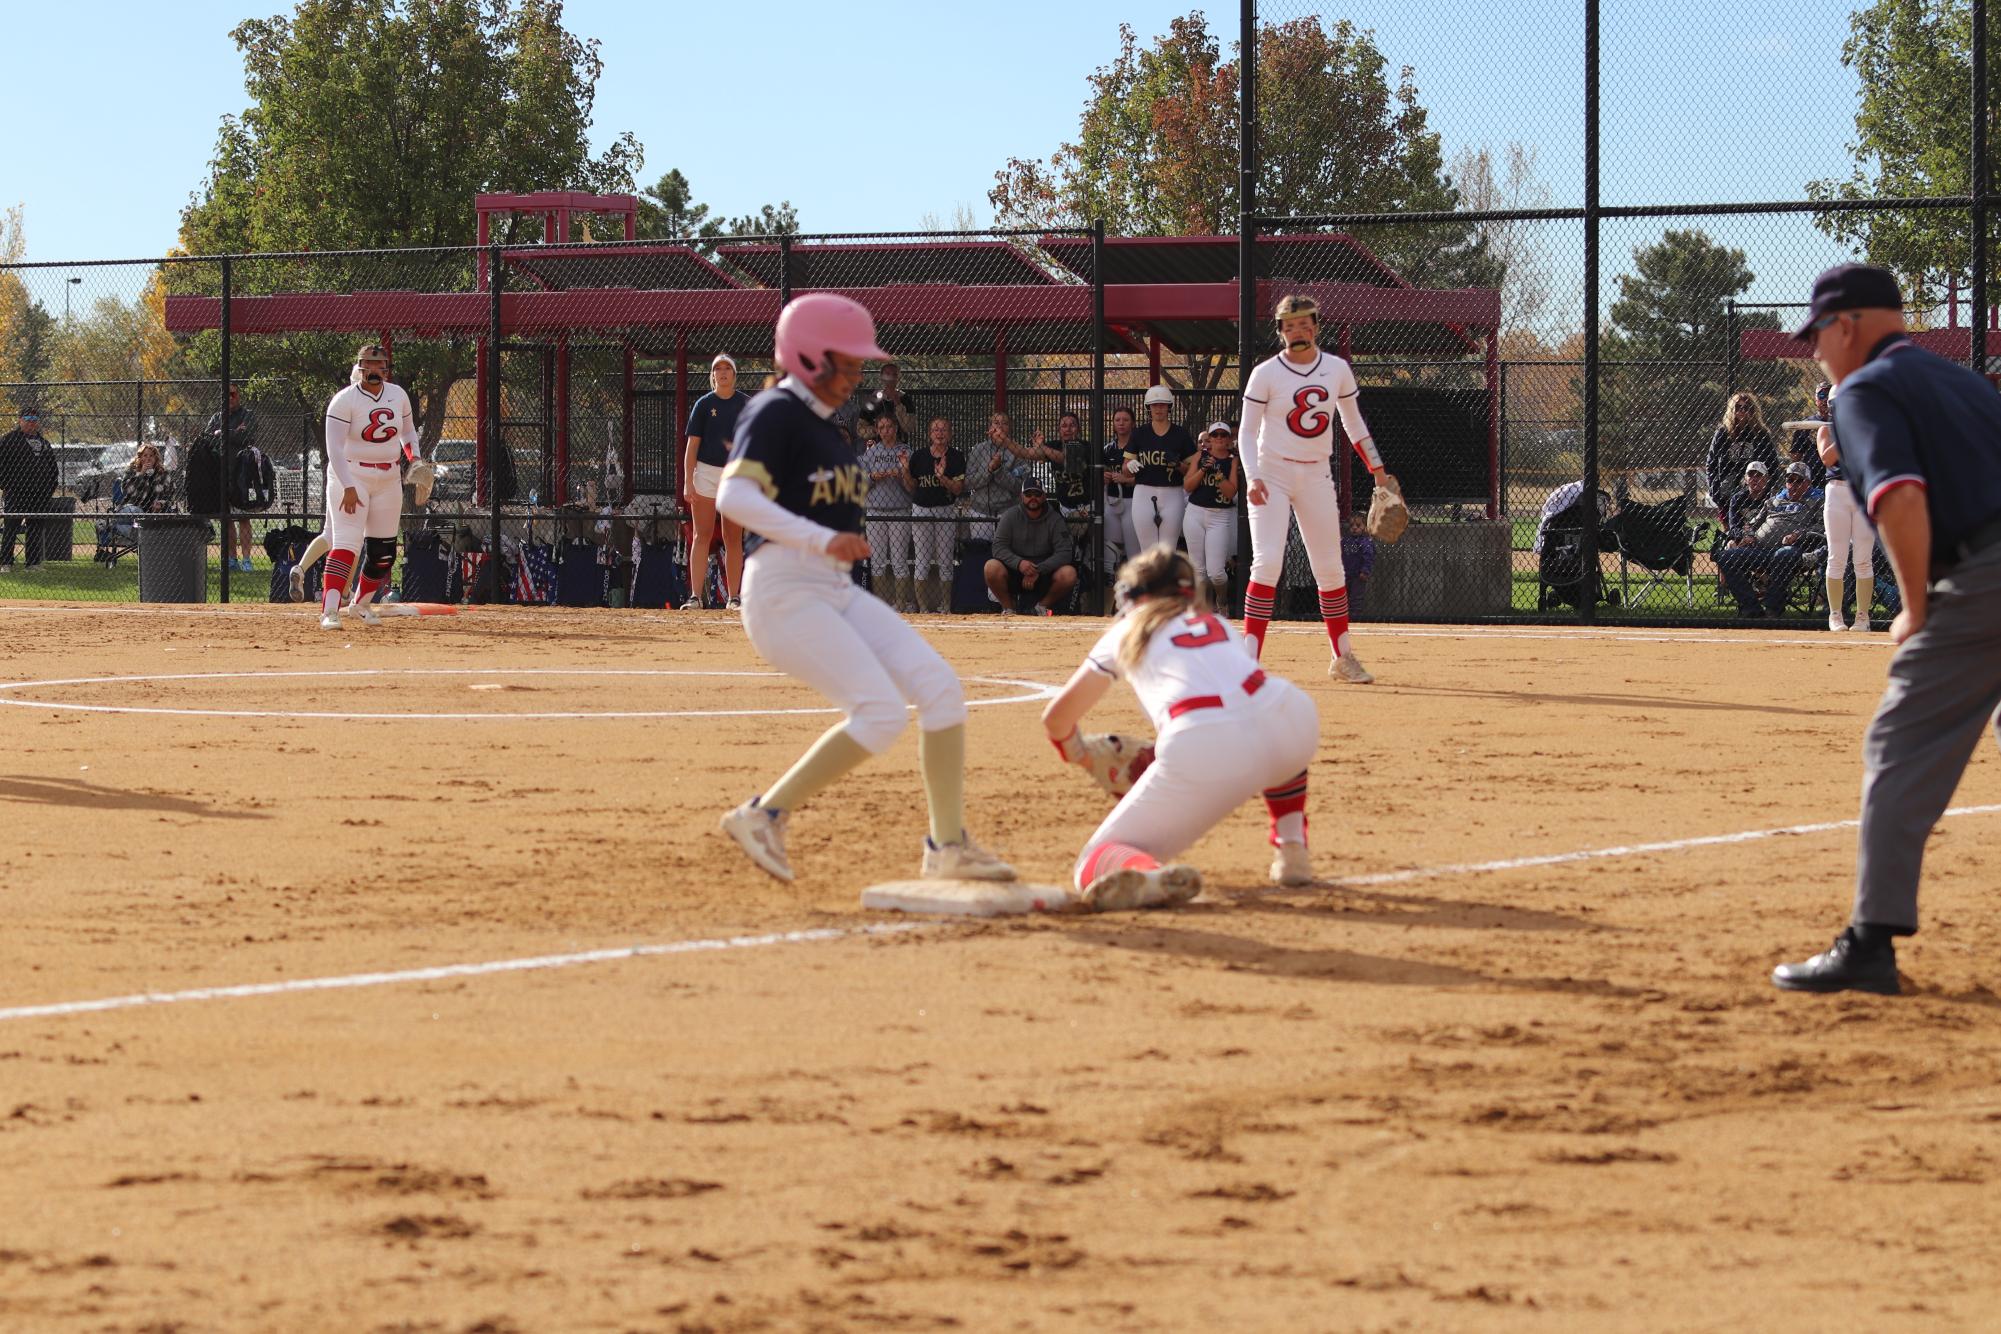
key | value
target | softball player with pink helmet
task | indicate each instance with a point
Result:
(1227, 731)
(799, 491)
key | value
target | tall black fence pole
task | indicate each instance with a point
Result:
(228, 452)
(1094, 471)
(1247, 230)
(496, 432)
(1730, 346)
(784, 271)
(1978, 184)
(1588, 601)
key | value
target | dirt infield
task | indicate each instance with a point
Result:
(1433, 1092)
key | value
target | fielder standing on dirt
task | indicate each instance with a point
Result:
(1920, 439)
(798, 490)
(370, 431)
(1287, 442)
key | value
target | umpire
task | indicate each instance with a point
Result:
(1920, 438)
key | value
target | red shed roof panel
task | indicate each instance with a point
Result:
(646, 268)
(891, 264)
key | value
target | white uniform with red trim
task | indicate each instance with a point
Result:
(1287, 438)
(1227, 730)
(366, 436)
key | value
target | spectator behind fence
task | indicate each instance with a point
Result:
(1741, 438)
(241, 425)
(887, 462)
(1121, 544)
(1032, 554)
(1211, 478)
(1771, 538)
(1804, 447)
(710, 433)
(1358, 558)
(145, 484)
(992, 479)
(28, 476)
(936, 478)
(253, 487)
(887, 394)
(1072, 487)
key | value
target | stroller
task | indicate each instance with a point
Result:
(1560, 566)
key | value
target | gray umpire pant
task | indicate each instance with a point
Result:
(1945, 686)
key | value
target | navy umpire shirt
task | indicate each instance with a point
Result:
(1909, 416)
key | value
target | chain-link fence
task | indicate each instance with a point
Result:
(1647, 249)
(1564, 283)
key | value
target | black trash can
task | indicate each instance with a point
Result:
(59, 535)
(173, 558)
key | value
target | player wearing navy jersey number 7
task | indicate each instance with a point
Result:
(798, 490)
(1228, 731)
(1287, 439)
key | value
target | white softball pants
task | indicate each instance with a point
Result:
(379, 514)
(934, 541)
(889, 543)
(1848, 531)
(1120, 542)
(1204, 770)
(1211, 535)
(1165, 502)
(1305, 489)
(807, 617)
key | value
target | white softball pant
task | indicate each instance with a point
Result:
(889, 543)
(807, 617)
(1120, 542)
(1148, 501)
(1848, 531)
(1204, 770)
(1211, 535)
(1305, 489)
(934, 541)
(379, 514)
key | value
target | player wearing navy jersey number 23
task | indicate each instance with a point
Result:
(1288, 443)
(1227, 731)
(797, 488)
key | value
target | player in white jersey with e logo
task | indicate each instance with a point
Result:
(1287, 443)
(369, 432)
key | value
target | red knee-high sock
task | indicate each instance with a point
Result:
(1287, 804)
(340, 564)
(1334, 611)
(1260, 600)
(366, 587)
(1112, 857)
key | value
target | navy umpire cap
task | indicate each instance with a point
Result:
(1850, 287)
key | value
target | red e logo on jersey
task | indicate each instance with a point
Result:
(381, 428)
(1307, 419)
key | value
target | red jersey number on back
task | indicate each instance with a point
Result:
(1208, 630)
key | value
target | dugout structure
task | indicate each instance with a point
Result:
(587, 352)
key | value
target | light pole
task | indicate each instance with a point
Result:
(66, 290)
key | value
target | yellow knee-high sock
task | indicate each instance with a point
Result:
(942, 755)
(833, 755)
(1833, 599)
(1865, 594)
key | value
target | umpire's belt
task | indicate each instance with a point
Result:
(1988, 535)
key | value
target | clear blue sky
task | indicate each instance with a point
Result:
(1704, 99)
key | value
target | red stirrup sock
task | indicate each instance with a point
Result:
(1260, 600)
(1113, 857)
(1334, 611)
(333, 582)
(1287, 804)
(365, 590)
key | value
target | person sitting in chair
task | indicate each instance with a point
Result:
(1767, 536)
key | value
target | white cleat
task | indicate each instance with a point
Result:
(761, 835)
(298, 584)
(330, 621)
(964, 860)
(1347, 667)
(1861, 626)
(1836, 624)
(1129, 888)
(366, 611)
(1291, 865)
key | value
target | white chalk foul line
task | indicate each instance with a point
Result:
(1032, 692)
(1623, 850)
(445, 972)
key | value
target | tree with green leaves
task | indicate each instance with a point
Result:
(668, 212)
(373, 126)
(1671, 317)
(1157, 144)
(1913, 61)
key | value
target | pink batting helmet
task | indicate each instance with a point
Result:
(817, 323)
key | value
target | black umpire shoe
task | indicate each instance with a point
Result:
(1850, 964)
